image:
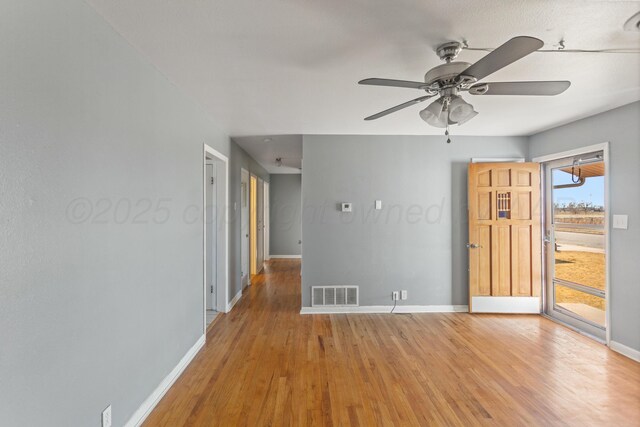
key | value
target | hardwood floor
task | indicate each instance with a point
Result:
(265, 364)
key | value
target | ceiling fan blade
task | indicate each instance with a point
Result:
(392, 83)
(548, 88)
(511, 51)
(399, 107)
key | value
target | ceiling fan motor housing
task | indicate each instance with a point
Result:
(445, 74)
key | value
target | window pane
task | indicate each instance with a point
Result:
(579, 266)
(587, 306)
(578, 217)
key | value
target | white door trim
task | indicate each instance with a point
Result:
(497, 160)
(266, 204)
(244, 233)
(251, 206)
(222, 292)
(260, 225)
(604, 147)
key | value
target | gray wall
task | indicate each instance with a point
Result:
(621, 127)
(417, 241)
(285, 213)
(95, 309)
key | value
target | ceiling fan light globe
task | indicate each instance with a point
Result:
(468, 117)
(459, 110)
(433, 115)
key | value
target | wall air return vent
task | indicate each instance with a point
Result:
(334, 296)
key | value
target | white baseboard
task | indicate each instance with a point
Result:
(147, 406)
(631, 353)
(234, 301)
(513, 305)
(286, 256)
(381, 309)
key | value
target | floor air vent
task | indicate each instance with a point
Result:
(331, 296)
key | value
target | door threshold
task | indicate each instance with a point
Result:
(573, 328)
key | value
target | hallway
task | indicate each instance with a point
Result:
(265, 364)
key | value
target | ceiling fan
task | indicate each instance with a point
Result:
(448, 80)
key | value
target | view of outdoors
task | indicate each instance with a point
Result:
(580, 243)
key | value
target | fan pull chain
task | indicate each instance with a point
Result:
(446, 133)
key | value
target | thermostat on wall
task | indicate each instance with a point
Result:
(346, 207)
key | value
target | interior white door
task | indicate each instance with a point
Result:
(244, 228)
(260, 228)
(211, 220)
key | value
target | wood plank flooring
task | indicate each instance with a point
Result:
(264, 364)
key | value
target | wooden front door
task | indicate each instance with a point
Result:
(505, 252)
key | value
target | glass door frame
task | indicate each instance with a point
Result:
(559, 314)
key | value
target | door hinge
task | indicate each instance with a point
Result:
(211, 288)
(212, 180)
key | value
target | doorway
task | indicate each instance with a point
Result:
(260, 226)
(266, 221)
(576, 235)
(215, 234)
(211, 232)
(245, 229)
(253, 226)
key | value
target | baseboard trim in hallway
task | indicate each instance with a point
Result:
(286, 256)
(234, 300)
(381, 309)
(150, 403)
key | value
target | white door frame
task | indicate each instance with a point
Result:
(266, 219)
(245, 264)
(222, 292)
(260, 225)
(212, 231)
(604, 147)
(251, 206)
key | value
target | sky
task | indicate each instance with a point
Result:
(592, 190)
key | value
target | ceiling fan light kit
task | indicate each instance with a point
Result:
(448, 80)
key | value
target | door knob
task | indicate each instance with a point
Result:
(473, 245)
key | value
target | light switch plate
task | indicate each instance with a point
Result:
(378, 204)
(621, 221)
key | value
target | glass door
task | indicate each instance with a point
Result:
(575, 243)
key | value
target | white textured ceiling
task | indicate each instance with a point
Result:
(265, 150)
(268, 67)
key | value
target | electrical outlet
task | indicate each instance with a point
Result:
(395, 296)
(106, 417)
(403, 295)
